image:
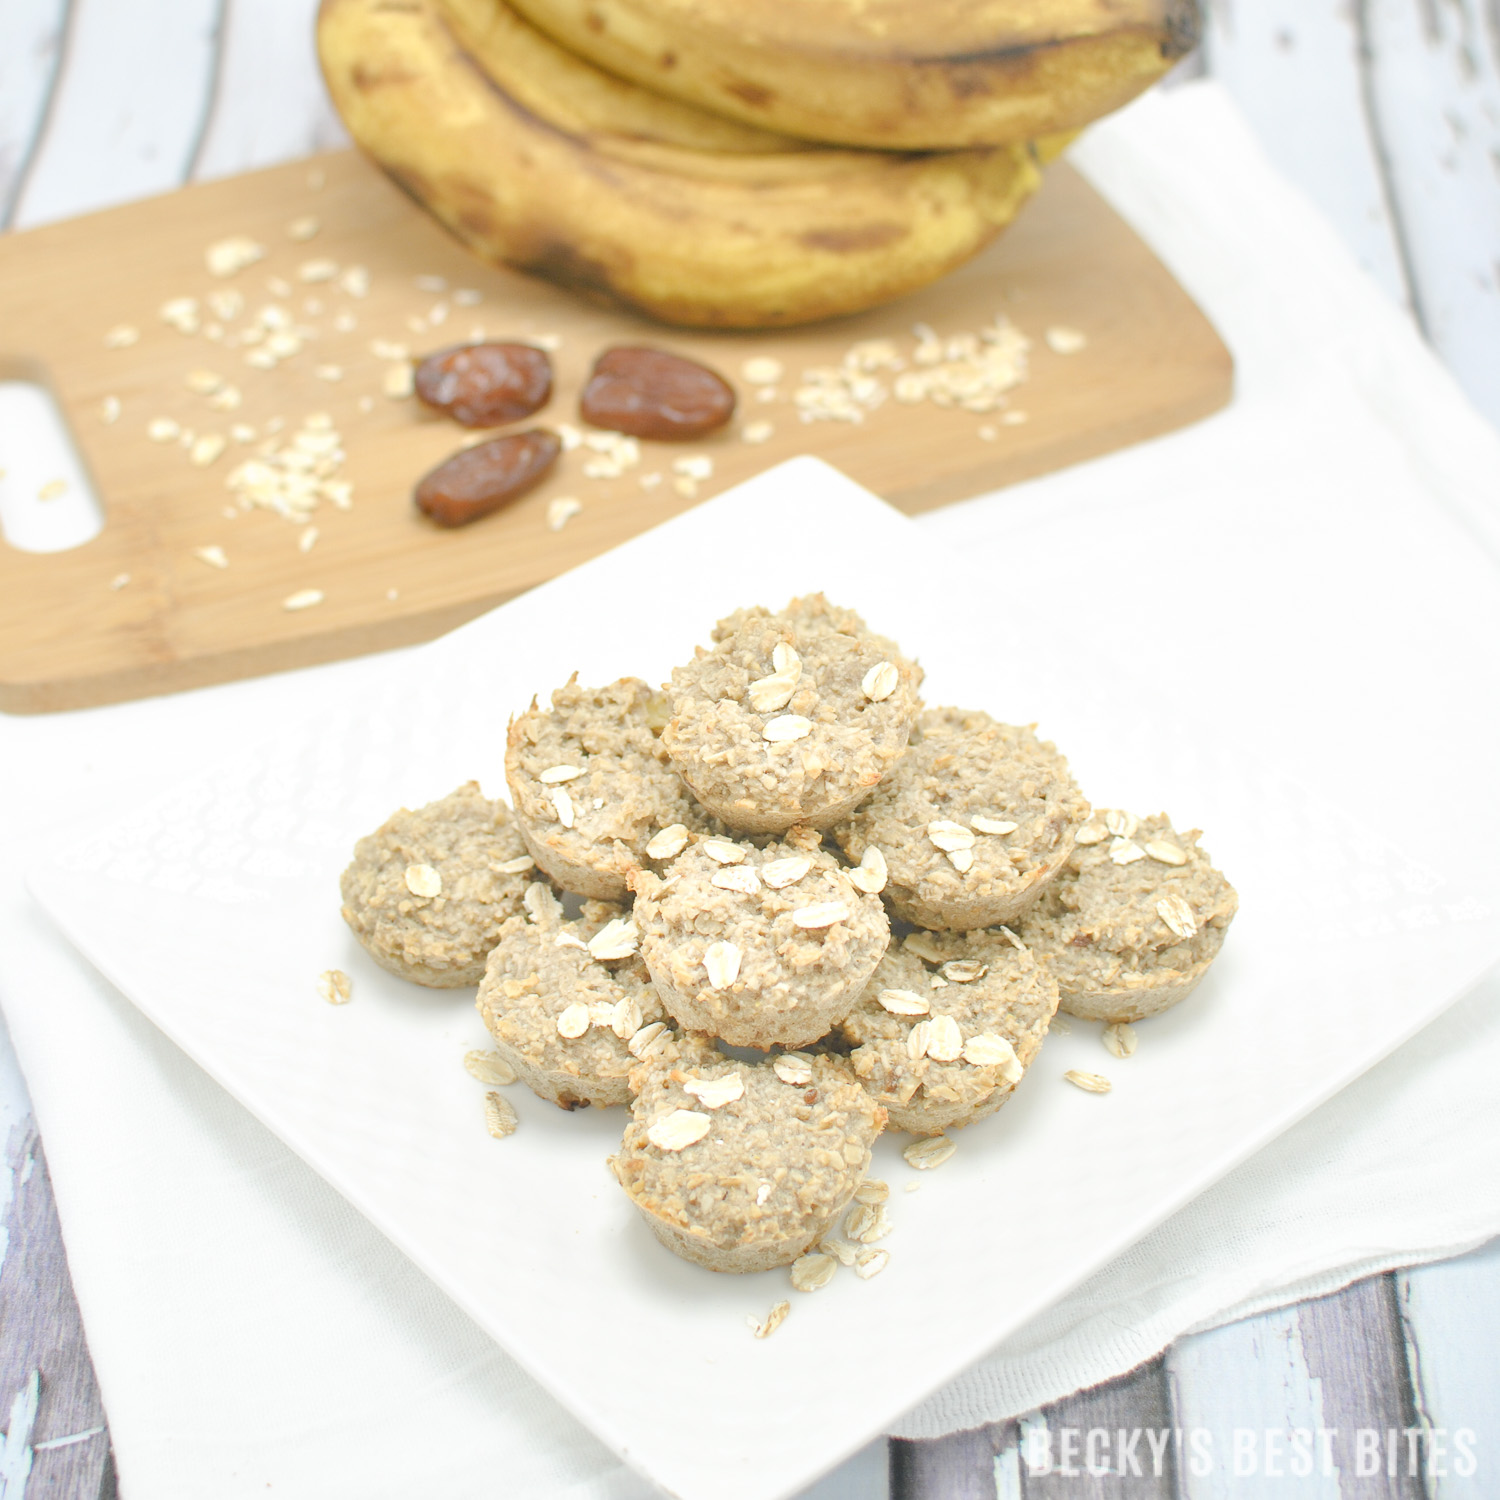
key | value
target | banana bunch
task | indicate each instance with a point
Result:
(657, 195)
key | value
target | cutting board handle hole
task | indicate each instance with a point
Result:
(47, 499)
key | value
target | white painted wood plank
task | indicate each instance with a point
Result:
(128, 109)
(1293, 67)
(1451, 1311)
(865, 1476)
(1435, 82)
(1237, 1383)
(270, 105)
(31, 33)
(1307, 1400)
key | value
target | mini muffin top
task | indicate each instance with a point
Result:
(571, 997)
(998, 996)
(755, 933)
(590, 772)
(745, 1153)
(974, 809)
(1135, 899)
(791, 717)
(430, 889)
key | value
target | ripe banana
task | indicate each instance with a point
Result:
(534, 157)
(895, 74)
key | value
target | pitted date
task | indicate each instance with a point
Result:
(477, 481)
(651, 394)
(486, 385)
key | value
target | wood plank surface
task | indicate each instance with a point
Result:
(43, 1338)
(114, 132)
(1297, 69)
(1451, 1320)
(1387, 114)
(268, 104)
(1282, 1398)
(186, 102)
(386, 576)
(31, 33)
(1435, 83)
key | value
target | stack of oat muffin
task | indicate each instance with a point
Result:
(775, 908)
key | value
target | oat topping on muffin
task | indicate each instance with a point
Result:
(762, 945)
(736, 1166)
(592, 785)
(947, 1027)
(569, 1003)
(1135, 919)
(971, 824)
(427, 892)
(791, 717)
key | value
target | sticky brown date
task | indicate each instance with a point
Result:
(651, 394)
(479, 480)
(486, 385)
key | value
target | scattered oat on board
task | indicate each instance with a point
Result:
(761, 370)
(774, 1319)
(213, 556)
(229, 256)
(930, 1152)
(1090, 1083)
(499, 1116)
(562, 510)
(1064, 340)
(870, 1263)
(1119, 1039)
(757, 432)
(335, 987)
(489, 1067)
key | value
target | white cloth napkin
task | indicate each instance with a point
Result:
(250, 1329)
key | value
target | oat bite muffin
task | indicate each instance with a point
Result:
(973, 822)
(744, 1166)
(1131, 925)
(570, 1004)
(792, 717)
(428, 891)
(592, 785)
(762, 946)
(948, 1026)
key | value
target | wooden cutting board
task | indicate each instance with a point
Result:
(387, 577)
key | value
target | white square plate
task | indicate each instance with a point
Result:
(215, 906)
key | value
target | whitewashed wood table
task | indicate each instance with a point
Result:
(1387, 113)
